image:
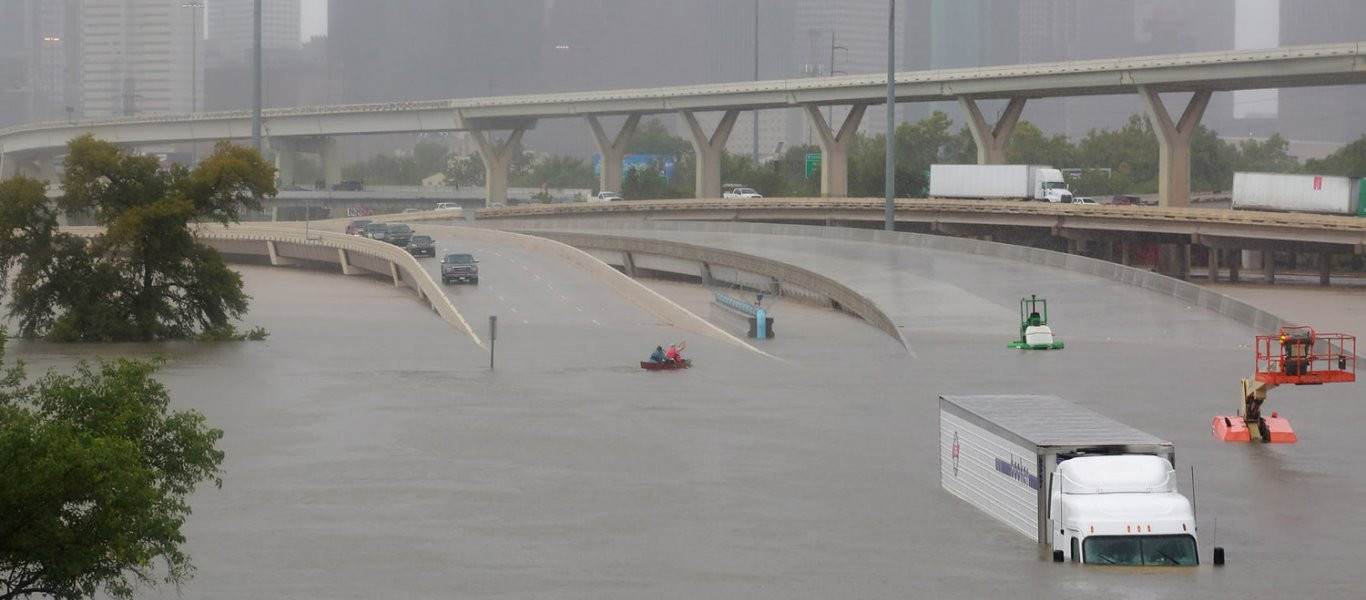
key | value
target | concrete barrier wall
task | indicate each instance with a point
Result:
(291, 244)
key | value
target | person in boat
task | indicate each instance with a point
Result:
(658, 356)
(672, 355)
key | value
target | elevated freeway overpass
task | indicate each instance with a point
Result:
(34, 149)
(1112, 231)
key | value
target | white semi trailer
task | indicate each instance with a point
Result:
(1016, 182)
(1299, 193)
(1094, 489)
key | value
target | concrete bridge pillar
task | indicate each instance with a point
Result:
(1174, 141)
(708, 151)
(991, 139)
(9, 165)
(612, 151)
(497, 157)
(286, 153)
(835, 148)
(330, 156)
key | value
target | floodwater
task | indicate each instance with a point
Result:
(372, 453)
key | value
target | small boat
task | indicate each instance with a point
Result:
(649, 365)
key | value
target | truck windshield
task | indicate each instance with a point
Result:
(1054, 185)
(1141, 550)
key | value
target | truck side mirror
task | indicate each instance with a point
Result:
(1219, 555)
(1057, 556)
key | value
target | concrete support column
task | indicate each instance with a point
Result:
(1073, 246)
(1252, 258)
(1174, 142)
(991, 139)
(330, 157)
(708, 152)
(1235, 262)
(286, 153)
(1269, 266)
(1213, 263)
(612, 151)
(1325, 268)
(1126, 253)
(497, 156)
(9, 165)
(835, 148)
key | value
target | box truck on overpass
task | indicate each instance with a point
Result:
(988, 182)
(1299, 193)
(1096, 490)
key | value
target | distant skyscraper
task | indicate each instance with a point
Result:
(136, 57)
(39, 40)
(230, 26)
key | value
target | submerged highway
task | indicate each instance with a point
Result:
(371, 452)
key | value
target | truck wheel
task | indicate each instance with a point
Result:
(1219, 555)
(475, 281)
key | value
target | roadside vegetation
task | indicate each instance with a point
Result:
(143, 276)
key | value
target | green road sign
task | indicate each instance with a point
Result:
(813, 164)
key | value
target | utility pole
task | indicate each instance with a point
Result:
(756, 78)
(890, 225)
(256, 76)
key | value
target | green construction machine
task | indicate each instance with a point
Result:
(1034, 331)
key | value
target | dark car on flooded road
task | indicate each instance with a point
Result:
(398, 234)
(422, 245)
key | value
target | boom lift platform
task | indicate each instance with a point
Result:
(1297, 355)
(1034, 331)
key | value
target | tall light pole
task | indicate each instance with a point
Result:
(890, 225)
(756, 78)
(256, 75)
(830, 110)
(194, 7)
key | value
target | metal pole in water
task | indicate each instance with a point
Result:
(890, 224)
(493, 336)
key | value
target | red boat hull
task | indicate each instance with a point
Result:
(665, 366)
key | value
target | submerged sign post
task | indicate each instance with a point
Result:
(493, 336)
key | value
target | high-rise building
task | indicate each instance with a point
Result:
(137, 57)
(1321, 114)
(230, 27)
(39, 42)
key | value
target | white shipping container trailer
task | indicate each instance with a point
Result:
(1299, 193)
(1028, 182)
(1096, 490)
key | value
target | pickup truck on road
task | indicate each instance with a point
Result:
(459, 267)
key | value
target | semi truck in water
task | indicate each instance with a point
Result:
(1323, 194)
(1093, 489)
(990, 182)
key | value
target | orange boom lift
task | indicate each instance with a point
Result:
(1296, 356)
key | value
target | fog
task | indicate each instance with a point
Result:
(55, 62)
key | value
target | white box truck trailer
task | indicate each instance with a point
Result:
(1299, 193)
(1094, 489)
(1019, 182)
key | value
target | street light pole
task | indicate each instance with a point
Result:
(256, 76)
(51, 70)
(194, 53)
(756, 78)
(890, 224)
(830, 110)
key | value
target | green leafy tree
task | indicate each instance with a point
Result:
(1348, 161)
(1271, 155)
(651, 137)
(1029, 146)
(1212, 161)
(466, 170)
(145, 277)
(558, 172)
(96, 471)
(425, 160)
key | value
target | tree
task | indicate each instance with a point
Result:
(1029, 146)
(1348, 161)
(145, 277)
(466, 170)
(96, 473)
(1269, 156)
(425, 160)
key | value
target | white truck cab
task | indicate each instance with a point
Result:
(1121, 510)
(1052, 186)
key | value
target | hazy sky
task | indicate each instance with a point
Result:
(314, 18)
